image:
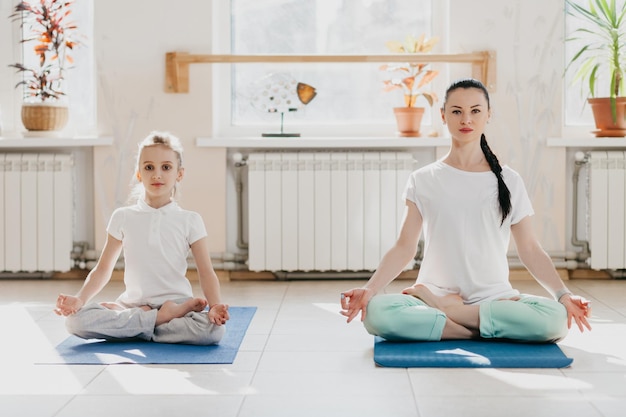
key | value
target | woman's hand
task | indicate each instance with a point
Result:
(579, 309)
(68, 305)
(355, 301)
(218, 314)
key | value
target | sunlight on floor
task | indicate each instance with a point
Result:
(15, 320)
(600, 341)
(535, 381)
(22, 345)
(158, 380)
(334, 308)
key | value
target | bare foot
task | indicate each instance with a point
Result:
(112, 306)
(424, 294)
(170, 310)
(454, 330)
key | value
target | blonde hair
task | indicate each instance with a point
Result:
(153, 139)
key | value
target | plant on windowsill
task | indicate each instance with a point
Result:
(602, 57)
(46, 26)
(413, 78)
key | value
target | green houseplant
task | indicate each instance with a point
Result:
(412, 80)
(602, 55)
(46, 26)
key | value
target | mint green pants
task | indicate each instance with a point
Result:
(400, 317)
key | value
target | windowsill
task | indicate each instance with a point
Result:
(60, 141)
(323, 142)
(588, 143)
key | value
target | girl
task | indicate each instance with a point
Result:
(156, 235)
(467, 206)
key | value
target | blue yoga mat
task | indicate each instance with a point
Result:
(468, 354)
(74, 350)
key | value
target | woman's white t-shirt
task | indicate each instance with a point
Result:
(156, 243)
(465, 245)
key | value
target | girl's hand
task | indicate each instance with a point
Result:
(218, 314)
(68, 305)
(355, 301)
(579, 309)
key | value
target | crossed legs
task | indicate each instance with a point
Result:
(462, 321)
(172, 322)
(420, 315)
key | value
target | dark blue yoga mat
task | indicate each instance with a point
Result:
(76, 351)
(468, 354)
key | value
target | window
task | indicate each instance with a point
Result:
(350, 99)
(577, 112)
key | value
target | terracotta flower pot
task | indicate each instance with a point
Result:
(409, 120)
(601, 108)
(44, 116)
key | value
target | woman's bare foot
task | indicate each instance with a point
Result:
(440, 302)
(454, 330)
(170, 310)
(459, 313)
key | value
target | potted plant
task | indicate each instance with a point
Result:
(413, 78)
(602, 56)
(46, 26)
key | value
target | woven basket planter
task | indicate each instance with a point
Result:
(44, 117)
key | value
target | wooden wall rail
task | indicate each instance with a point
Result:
(177, 63)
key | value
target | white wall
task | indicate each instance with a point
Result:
(527, 36)
(131, 39)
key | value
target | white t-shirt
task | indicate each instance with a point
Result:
(156, 243)
(465, 248)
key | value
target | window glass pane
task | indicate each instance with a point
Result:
(577, 111)
(82, 78)
(79, 78)
(346, 93)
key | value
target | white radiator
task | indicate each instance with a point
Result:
(320, 211)
(607, 207)
(36, 208)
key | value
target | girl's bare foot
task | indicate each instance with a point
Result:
(170, 310)
(440, 302)
(112, 306)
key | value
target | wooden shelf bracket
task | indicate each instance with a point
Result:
(177, 63)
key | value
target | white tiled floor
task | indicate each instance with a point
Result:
(299, 358)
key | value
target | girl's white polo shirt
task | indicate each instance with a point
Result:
(156, 243)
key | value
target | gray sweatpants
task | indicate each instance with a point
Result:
(94, 321)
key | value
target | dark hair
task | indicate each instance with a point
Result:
(504, 195)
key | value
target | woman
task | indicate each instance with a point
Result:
(467, 205)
